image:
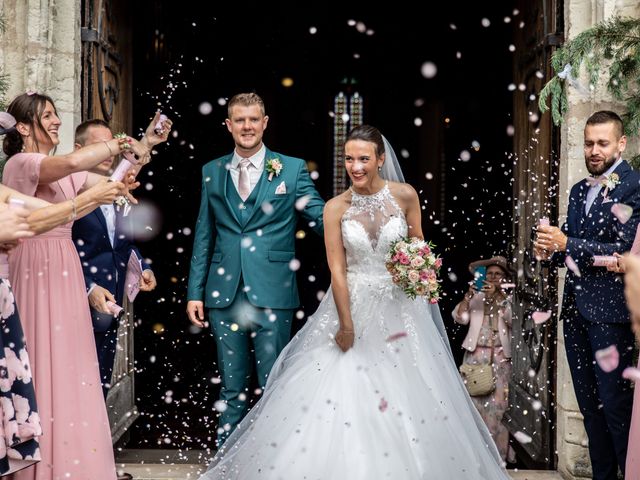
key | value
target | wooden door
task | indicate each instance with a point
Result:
(107, 94)
(531, 390)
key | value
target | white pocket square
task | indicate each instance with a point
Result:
(607, 200)
(281, 189)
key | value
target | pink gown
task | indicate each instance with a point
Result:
(50, 292)
(632, 470)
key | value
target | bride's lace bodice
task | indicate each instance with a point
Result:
(369, 226)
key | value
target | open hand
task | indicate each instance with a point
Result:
(130, 183)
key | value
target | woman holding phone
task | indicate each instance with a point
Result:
(486, 308)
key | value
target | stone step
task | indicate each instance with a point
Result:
(187, 471)
(159, 464)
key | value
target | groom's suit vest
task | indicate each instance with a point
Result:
(252, 241)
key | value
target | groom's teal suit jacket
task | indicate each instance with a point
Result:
(255, 243)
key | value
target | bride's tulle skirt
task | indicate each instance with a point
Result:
(392, 407)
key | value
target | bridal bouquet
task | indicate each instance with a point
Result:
(414, 268)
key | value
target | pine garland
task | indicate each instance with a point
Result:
(613, 45)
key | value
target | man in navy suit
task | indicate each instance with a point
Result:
(104, 252)
(594, 311)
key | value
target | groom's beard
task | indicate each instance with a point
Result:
(604, 166)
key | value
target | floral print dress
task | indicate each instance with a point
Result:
(493, 406)
(20, 425)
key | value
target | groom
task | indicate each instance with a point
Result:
(241, 269)
(593, 307)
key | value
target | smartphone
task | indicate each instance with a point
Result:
(480, 275)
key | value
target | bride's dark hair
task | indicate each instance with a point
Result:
(368, 133)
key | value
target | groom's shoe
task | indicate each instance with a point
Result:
(125, 476)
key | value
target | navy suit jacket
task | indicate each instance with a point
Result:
(100, 261)
(597, 293)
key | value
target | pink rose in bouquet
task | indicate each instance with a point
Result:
(414, 268)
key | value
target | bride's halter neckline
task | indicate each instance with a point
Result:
(384, 187)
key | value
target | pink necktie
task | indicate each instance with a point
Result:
(593, 181)
(244, 183)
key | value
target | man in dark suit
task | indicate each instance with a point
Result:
(104, 253)
(594, 311)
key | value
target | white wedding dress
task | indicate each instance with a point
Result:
(392, 407)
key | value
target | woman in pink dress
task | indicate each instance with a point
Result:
(632, 470)
(50, 292)
(631, 265)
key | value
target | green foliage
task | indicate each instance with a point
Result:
(4, 86)
(612, 46)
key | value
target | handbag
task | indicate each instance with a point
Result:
(479, 379)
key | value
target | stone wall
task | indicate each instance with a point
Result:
(573, 456)
(40, 50)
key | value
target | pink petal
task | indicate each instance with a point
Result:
(383, 405)
(571, 265)
(7, 120)
(631, 373)
(396, 336)
(622, 212)
(540, 317)
(608, 358)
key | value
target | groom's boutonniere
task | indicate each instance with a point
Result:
(274, 167)
(609, 183)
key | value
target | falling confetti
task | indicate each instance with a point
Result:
(205, 108)
(429, 70)
(571, 265)
(540, 317)
(522, 437)
(383, 405)
(294, 265)
(608, 358)
(220, 406)
(302, 202)
(396, 336)
(622, 212)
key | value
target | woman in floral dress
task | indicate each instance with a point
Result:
(488, 314)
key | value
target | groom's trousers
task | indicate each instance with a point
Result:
(605, 399)
(244, 333)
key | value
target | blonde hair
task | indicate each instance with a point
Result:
(246, 100)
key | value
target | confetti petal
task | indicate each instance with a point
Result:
(540, 317)
(608, 358)
(622, 212)
(522, 437)
(571, 265)
(383, 405)
(507, 285)
(631, 373)
(396, 336)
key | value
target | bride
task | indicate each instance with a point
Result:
(368, 388)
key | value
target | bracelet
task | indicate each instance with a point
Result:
(110, 151)
(123, 140)
(74, 212)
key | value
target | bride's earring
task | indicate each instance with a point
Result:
(379, 169)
